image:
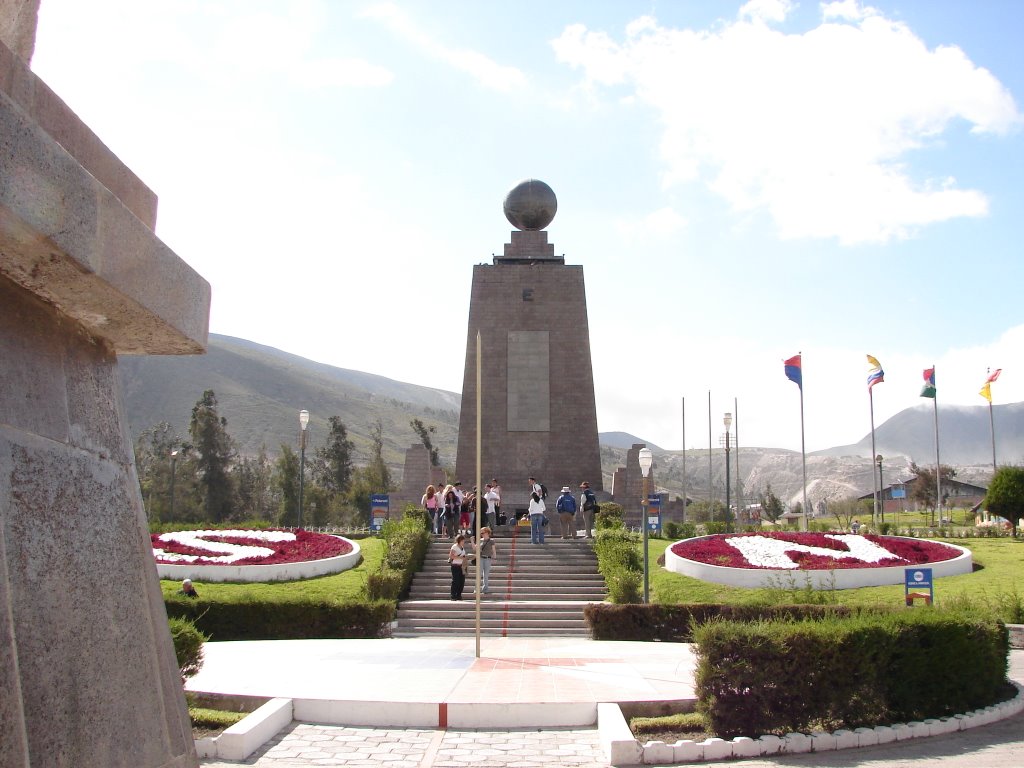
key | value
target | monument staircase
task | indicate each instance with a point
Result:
(534, 590)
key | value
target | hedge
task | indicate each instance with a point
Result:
(292, 620)
(775, 677)
(675, 623)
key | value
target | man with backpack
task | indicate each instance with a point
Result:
(588, 508)
(566, 506)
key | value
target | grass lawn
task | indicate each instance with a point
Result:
(344, 587)
(998, 579)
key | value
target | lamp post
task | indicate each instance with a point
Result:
(174, 461)
(881, 488)
(303, 422)
(646, 459)
(727, 420)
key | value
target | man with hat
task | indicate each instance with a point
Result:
(588, 506)
(566, 506)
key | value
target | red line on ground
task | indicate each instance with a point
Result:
(508, 582)
(442, 715)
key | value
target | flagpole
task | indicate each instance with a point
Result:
(991, 420)
(803, 449)
(874, 479)
(711, 514)
(938, 466)
(684, 459)
(736, 416)
(992, 430)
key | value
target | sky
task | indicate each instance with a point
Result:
(740, 181)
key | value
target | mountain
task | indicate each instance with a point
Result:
(623, 440)
(260, 391)
(965, 435)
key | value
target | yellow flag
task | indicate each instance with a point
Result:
(986, 391)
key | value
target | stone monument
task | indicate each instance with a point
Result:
(538, 412)
(88, 677)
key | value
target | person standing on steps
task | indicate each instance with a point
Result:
(493, 499)
(566, 506)
(537, 510)
(457, 559)
(498, 503)
(588, 505)
(486, 552)
(434, 510)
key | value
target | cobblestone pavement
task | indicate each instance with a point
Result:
(1000, 745)
(304, 744)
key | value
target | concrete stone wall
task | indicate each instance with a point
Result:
(541, 418)
(18, 20)
(88, 675)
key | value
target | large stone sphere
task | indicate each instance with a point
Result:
(531, 205)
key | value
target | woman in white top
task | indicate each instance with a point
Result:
(537, 510)
(456, 558)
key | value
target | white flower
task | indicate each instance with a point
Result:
(229, 553)
(767, 552)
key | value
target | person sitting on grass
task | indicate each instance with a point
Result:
(187, 589)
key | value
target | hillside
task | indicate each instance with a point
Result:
(260, 391)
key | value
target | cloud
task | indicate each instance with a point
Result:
(658, 224)
(815, 129)
(482, 68)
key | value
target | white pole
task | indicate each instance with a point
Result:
(684, 459)
(476, 548)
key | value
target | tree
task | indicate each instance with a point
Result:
(332, 464)
(922, 487)
(153, 463)
(375, 477)
(252, 480)
(424, 433)
(848, 509)
(214, 453)
(1005, 495)
(286, 480)
(771, 505)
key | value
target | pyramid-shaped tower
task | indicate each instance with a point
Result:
(538, 414)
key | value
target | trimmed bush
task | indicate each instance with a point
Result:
(676, 623)
(188, 646)
(777, 677)
(279, 620)
(619, 561)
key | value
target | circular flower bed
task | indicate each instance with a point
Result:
(251, 555)
(823, 560)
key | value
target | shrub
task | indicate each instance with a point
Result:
(610, 517)
(777, 677)
(676, 623)
(188, 646)
(619, 561)
(671, 530)
(266, 619)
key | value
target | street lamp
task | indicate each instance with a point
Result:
(727, 420)
(303, 422)
(881, 488)
(646, 459)
(174, 460)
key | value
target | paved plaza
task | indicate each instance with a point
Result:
(511, 674)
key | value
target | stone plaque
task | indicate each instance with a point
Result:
(529, 390)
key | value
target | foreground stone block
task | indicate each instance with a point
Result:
(88, 676)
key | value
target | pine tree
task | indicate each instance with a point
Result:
(332, 464)
(214, 452)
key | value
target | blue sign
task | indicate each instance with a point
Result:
(918, 583)
(654, 513)
(899, 493)
(380, 504)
